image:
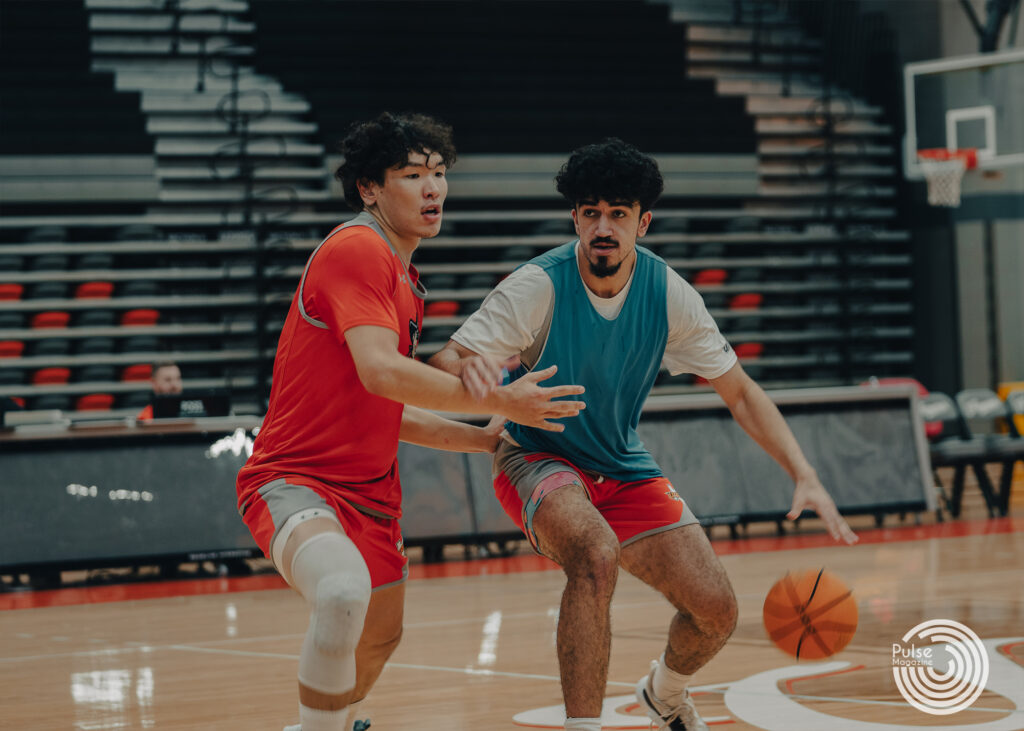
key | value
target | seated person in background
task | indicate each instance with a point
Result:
(166, 379)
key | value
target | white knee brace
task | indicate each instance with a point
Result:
(330, 573)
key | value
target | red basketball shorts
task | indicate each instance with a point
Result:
(379, 540)
(633, 510)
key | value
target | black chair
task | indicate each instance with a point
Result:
(955, 447)
(51, 401)
(96, 318)
(981, 410)
(49, 262)
(12, 376)
(96, 373)
(140, 344)
(96, 260)
(11, 321)
(11, 263)
(50, 347)
(95, 346)
(48, 291)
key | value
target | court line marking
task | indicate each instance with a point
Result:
(719, 688)
(712, 688)
(656, 600)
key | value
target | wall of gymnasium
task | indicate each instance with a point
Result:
(968, 335)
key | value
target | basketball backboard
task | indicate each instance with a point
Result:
(974, 101)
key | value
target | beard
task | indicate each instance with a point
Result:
(601, 268)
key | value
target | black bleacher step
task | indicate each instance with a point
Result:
(167, 126)
(171, 330)
(188, 23)
(120, 387)
(813, 147)
(183, 357)
(202, 173)
(126, 47)
(148, 6)
(154, 103)
(778, 37)
(802, 127)
(812, 189)
(771, 85)
(134, 247)
(746, 57)
(152, 80)
(838, 106)
(723, 15)
(131, 303)
(240, 272)
(204, 148)
(814, 168)
(212, 195)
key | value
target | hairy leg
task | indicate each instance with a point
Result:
(571, 531)
(681, 564)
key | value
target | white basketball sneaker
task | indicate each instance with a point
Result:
(683, 717)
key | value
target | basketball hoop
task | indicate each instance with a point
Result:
(944, 170)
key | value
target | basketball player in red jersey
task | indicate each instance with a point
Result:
(321, 493)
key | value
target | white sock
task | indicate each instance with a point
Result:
(313, 719)
(667, 684)
(583, 724)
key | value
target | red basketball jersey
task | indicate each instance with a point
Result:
(321, 424)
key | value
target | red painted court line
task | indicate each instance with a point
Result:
(484, 567)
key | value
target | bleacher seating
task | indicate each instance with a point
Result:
(811, 288)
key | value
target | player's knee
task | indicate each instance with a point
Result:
(340, 609)
(721, 613)
(597, 564)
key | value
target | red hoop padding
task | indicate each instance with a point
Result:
(968, 154)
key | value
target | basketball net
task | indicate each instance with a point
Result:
(944, 171)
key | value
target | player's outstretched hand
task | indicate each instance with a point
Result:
(481, 374)
(527, 403)
(810, 493)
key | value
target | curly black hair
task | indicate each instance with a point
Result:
(372, 147)
(612, 171)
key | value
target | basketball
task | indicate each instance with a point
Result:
(810, 614)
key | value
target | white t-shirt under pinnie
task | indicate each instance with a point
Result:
(513, 314)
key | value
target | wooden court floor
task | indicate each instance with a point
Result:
(478, 651)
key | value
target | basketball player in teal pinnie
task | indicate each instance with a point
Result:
(611, 314)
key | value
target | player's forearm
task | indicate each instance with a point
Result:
(430, 430)
(761, 419)
(447, 360)
(410, 382)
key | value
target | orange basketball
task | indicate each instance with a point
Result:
(810, 614)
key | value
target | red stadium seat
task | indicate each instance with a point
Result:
(95, 402)
(11, 291)
(746, 301)
(51, 376)
(53, 318)
(441, 308)
(140, 317)
(710, 276)
(137, 372)
(749, 350)
(94, 290)
(11, 348)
